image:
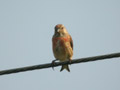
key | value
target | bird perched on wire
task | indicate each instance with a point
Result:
(62, 45)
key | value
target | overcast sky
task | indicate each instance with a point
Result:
(26, 29)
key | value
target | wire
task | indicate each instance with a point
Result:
(48, 65)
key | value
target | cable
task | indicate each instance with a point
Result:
(48, 65)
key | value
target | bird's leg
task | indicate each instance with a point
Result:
(70, 60)
(53, 63)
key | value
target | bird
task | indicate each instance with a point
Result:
(62, 45)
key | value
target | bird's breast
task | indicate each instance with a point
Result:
(59, 48)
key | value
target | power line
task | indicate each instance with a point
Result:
(48, 65)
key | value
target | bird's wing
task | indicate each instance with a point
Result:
(71, 42)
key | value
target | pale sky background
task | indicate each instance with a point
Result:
(26, 29)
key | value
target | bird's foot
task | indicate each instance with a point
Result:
(70, 61)
(53, 63)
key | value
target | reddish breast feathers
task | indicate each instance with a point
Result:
(61, 40)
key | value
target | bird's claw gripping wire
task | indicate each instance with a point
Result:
(53, 63)
(70, 61)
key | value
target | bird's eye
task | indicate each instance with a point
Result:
(62, 28)
(55, 29)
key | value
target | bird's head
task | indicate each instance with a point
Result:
(60, 30)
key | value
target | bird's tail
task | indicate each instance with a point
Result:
(65, 67)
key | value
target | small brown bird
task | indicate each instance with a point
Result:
(62, 45)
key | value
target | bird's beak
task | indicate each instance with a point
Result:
(58, 30)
